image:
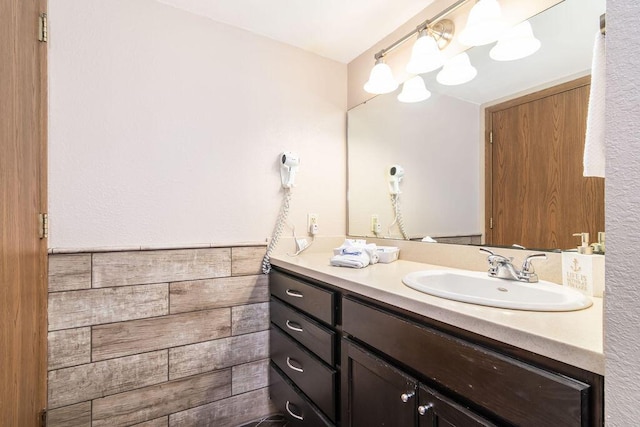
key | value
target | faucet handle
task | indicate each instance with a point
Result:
(487, 251)
(495, 260)
(528, 272)
(527, 266)
(494, 257)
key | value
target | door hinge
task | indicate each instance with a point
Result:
(491, 223)
(491, 137)
(43, 33)
(43, 418)
(43, 225)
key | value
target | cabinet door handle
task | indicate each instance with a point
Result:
(296, 416)
(423, 409)
(293, 326)
(293, 293)
(406, 396)
(295, 368)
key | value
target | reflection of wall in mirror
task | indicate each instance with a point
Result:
(436, 142)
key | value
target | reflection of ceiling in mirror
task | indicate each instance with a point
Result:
(566, 31)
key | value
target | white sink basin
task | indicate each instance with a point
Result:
(478, 288)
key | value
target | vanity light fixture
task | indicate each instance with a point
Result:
(516, 43)
(426, 54)
(380, 79)
(484, 24)
(436, 31)
(414, 90)
(457, 70)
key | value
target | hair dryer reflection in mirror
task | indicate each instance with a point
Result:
(395, 175)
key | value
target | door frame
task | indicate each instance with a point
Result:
(26, 59)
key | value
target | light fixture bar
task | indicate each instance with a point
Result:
(420, 27)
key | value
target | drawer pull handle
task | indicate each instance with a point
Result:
(423, 409)
(295, 368)
(296, 416)
(406, 396)
(293, 326)
(293, 293)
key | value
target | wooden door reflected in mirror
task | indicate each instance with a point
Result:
(536, 195)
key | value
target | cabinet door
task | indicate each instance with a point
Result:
(436, 410)
(374, 393)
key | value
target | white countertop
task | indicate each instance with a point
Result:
(573, 337)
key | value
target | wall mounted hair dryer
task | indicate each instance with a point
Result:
(288, 168)
(289, 162)
(395, 174)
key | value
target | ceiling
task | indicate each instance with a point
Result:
(337, 29)
(343, 29)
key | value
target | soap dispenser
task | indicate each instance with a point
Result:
(584, 247)
(583, 270)
(599, 247)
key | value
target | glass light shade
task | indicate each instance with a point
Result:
(457, 70)
(414, 90)
(381, 79)
(425, 55)
(517, 42)
(484, 24)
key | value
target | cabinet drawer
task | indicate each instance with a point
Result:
(311, 299)
(314, 378)
(298, 410)
(517, 392)
(303, 329)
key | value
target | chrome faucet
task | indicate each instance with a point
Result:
(502, 267)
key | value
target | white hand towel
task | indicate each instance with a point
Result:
(360, 260)
(594, 153)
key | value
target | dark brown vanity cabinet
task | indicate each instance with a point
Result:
(341, 359)
(304, 376)
(505, 390)
(378, 394)
(435, 410)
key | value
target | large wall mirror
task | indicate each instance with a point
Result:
(440, 142)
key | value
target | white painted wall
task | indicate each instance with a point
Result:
(436, 141)
(622, 298)
(165, 128)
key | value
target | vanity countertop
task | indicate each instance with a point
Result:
(573, 337)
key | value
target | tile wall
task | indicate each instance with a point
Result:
(158, 338)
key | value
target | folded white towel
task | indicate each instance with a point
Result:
(359, 260)
(594, 153)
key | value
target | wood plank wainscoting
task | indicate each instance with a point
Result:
(162, 337)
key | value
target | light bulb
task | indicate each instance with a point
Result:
(484, 24)
(414, 90)
(381, 79)
(516, 43)
(425, 55)
(457, 70)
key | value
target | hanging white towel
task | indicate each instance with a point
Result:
(594, 153)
